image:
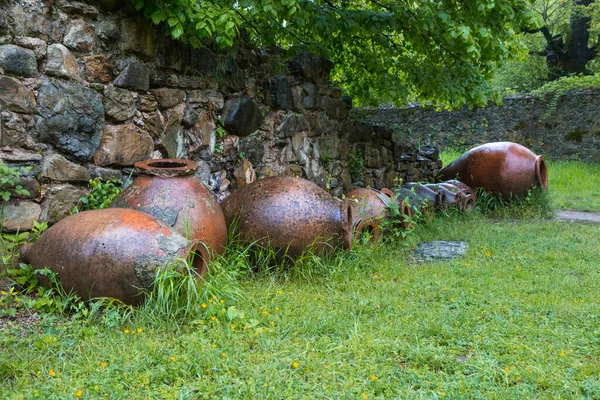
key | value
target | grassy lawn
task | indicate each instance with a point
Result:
(517, 317)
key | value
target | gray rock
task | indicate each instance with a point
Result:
(16, 97)
(314, 68)
(311, 96)
(168, 98)
(147, 103)
(77, 8)
(135, 76)
(37, 45)
(60, 201)
(233, 75)
(253, 147)
(20, 216)
(216, 99)
(105, 173)
(440, 251)
(107, 30)
(291, 125)
(58, 168)
(154, 123)
(334, 108)
(202, 61)
(278, 92)
(173, 141)
(16, 156)
(171, 54)
(190, 117)
(123, 145)
(203, 172)
(138, 36)
(62, 63)
(18, 60)
(119, 104)
(72, 117)
(241, 116)
(81, 36)
(198, 96)
(15, 130)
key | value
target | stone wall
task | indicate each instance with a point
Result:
(559, 127)
(88, 89)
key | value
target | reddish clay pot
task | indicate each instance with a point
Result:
(287, 212)
(437, 197)
(369, 203)
(504, 167)
(110, 253)
(167, 189)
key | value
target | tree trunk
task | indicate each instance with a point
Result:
(571, 57)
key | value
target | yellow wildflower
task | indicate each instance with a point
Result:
(173, 359)
(295, 365)
(52, 373)
(139, 330)
(103, 364)
(203, 305)
(79, 393)
(373, 378)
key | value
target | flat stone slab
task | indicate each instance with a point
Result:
(439, 251)
(578, 216)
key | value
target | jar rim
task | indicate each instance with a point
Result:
(166, 167)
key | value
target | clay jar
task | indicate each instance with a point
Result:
(438, 198)
(111, 252)
(369, 203)
(289, 213)
(506, 168)
(167, 189)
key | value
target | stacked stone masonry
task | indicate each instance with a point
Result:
(560, 127)
(88, 89)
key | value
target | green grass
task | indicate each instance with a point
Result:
(574, 185)
(516, 317)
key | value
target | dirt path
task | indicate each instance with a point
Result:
(578, 216)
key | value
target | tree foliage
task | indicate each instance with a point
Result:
(443, 51)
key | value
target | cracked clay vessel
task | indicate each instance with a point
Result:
(504, 167)
(167, 189)
(291, 213)
(113, 252)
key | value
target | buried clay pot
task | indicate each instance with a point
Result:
(112, 252)
(439, 199)
(167, 189)
(417, 204)
(506, 168)
(289, 213)
(454, 196)
(369, 203)
(469, 198)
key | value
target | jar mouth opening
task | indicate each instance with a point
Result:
(166, 167)
(541, 172)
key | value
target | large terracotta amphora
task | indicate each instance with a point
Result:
(506, 168)
(113, 252)
(168, 189)
(290, 213)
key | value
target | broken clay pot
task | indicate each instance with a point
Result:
(167, 189)
(289, 213)
(369, 203)
(113, 252)
(506, 168)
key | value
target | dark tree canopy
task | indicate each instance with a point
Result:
(443, 51)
